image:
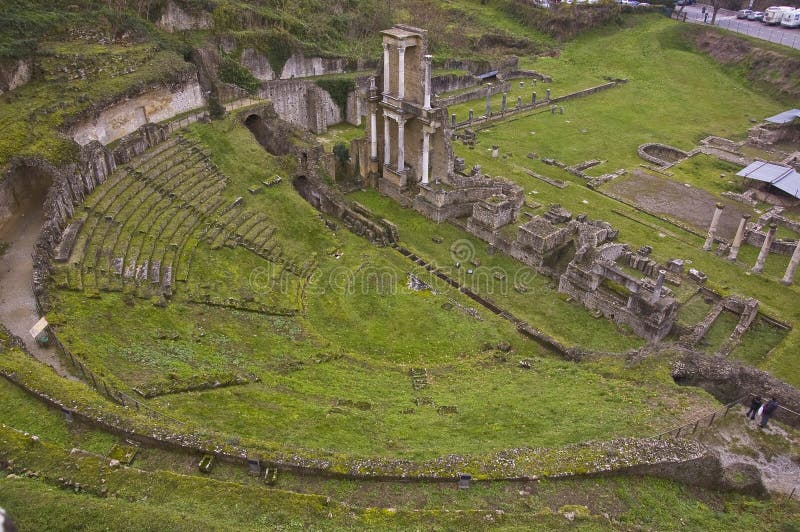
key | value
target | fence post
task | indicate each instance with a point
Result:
(678, 434)
(695, 426)
(712, 419)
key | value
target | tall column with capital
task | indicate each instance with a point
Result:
(387, 147)
(426, 147)
(385, 68)
(427, 101)
(373, 136)
(401, 145)
(401, 72)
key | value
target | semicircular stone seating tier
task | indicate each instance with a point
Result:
(138, 230)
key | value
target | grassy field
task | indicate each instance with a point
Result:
(332, 370)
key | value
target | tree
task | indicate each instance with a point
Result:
(341, 152)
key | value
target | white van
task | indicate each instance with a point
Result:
(791, 19)
(773, 15)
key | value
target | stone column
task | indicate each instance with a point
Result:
(533, 98)
(788, 277)
(471, 116)
(737, 240)
(385, 68)
(401, 145)
(387, 147)
(548, 94)
(373, 137)
(427, 102)
(453, 120)
(712, 229)
(401, 72)
(519, 102)
(503, 104)
(426, 147)
(762, 255)
(488, 100)
(662, 274)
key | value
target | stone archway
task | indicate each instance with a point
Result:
(23, 189)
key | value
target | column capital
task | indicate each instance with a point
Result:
(386, 46)
(428, 58)
(401, 48)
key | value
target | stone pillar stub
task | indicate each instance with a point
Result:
(489, 100)
(739, 238)
(762, 255)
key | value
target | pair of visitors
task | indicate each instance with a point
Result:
(755, 404)
(768, 411)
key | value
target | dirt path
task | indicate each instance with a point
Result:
(17, 305)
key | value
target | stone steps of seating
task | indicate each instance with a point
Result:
(130, 218)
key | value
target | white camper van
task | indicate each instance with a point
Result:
(773, 15)
(791, 19)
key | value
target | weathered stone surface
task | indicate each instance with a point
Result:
(15, 73)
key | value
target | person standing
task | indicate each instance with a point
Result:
(769, 411)
(755, 404)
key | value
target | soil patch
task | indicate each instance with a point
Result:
(691, 205)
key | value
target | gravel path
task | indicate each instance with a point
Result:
(17, 305)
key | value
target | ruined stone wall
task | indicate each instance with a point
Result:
(303, 104)
(258, 64)
(178, 18)
(453, 82)
(124, 117)
(300, 66)
(15, 73)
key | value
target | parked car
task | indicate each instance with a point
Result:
(743, 13)
(756, 15)
(791, 19)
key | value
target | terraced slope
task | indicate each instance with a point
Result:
(141, 230)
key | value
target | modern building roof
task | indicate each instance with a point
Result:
(781, 177)
(784, 117)
(487, 75)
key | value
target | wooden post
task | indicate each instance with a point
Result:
(712, 419)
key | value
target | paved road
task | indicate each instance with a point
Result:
(17, 305)
(727, 19)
